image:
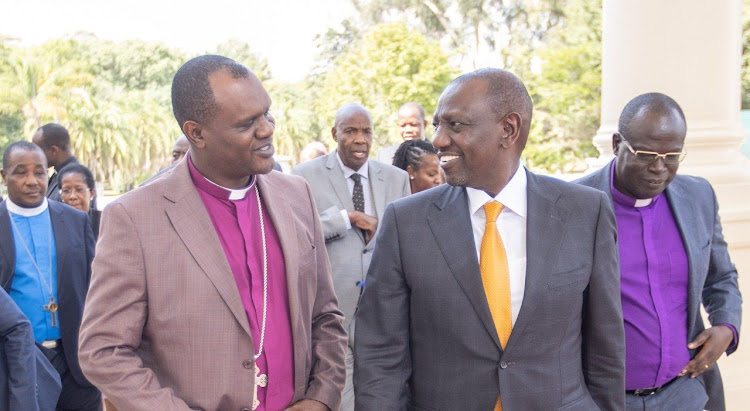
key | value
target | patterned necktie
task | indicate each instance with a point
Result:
(493, 265)
(358, 196)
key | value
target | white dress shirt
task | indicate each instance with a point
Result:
(512, 226)
(364, 171)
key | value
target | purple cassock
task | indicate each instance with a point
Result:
(238, 228)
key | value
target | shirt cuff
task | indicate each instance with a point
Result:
(734, 331)
(345, 216)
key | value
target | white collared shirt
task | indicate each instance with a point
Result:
(364, 171)
(236, 193)
(512, 227)
(26, 212)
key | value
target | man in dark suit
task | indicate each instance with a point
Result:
(54, 140)
(28, 382)
(47, 248)
(673, 257)
(497, 290)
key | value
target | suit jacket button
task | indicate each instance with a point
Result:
(503, 364)
(245, 409)
(247, 364)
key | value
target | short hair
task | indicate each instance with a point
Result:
(192, 97)
(21, 146)
(659, 103)
(415, 105)
(77, 168)
(506, 93)
(54, 134)
(412, 152)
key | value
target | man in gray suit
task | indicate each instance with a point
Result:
(351, 194)
(497, 290)
(673, 257)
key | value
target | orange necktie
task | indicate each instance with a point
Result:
(493, 265)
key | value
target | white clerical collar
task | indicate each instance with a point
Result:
(364, 171)
(236, 193)
(513, 196)
(643, 202)
(26, 212)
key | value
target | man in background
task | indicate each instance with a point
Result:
(351, 194)
(54, 140)
(411, 125)
(47, 248)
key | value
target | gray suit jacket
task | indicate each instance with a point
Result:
(425, 338)
(347, 251)
(713, 277)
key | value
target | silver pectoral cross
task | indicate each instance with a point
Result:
(261, 380)
(52, 308)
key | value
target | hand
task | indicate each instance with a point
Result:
(713, 342)
(308, 405)
(366, 223)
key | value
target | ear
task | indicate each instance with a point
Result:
(2, 172)
(615, 142)
(194, 133)
(511, 125)
(426, 124)
(333, 134)
(93, 193)
(411, 171)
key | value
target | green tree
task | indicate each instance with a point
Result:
(40, 83)
(567, 91)
(474, 29)
(240, 51)
(389, 66)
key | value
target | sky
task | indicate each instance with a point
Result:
(280, 30)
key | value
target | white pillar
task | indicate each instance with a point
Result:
(691, 51)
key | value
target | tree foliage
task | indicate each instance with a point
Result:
(390, 65)
(112, 97)
(553, 45)
(566, 90)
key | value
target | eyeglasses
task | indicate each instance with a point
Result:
(79, 191)
(649, 157)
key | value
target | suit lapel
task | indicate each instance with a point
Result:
(544, 233)
(451, 221)
(62, 237)
(8, 246)
(338, 181)
(276, 203)
(682, 208)
(192, 223)
(377, 188)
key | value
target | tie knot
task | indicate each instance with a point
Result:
(356, 177)
(492, 209)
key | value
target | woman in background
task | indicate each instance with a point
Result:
(78, 189)
(419, 158)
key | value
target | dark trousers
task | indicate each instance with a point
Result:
(73, 396)
(685, 393)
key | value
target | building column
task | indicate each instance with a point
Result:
(691, 51)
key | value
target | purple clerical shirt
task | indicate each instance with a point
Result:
(238, 228)
(654, 284)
